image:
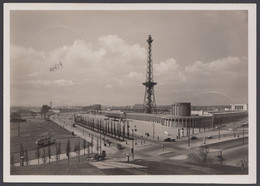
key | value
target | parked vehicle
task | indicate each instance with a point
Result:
(169, 139)
(119, 146)
(108, 141)
(194, 137)
(100, 157)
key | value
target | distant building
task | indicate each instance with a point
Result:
(228, 116)
(70, 109)
(216, 108)
(239, 107)
(25, 112)
(92, 107)
(180, 117)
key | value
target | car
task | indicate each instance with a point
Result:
(209, 137)
(169, 139)
(119, 146)
(194, 137)
(108, 141)
(100, 157)
(147, 134)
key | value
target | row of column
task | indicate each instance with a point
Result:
(179, 122)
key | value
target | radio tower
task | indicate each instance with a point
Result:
(149, 98)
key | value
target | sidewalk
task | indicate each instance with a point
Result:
(215, 140)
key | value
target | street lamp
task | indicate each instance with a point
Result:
(132, 144)
(219, 127)
(153, 129)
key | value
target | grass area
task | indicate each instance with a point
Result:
(30, 132)
(74, 167)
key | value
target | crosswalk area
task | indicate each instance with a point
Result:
(114, 165)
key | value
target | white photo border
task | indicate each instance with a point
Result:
(235, 179)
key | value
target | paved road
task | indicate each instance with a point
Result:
(153, 149)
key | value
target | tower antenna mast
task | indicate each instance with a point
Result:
(149, 97)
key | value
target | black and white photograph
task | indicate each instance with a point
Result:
(156, 93)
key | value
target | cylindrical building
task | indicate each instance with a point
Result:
(181, 109)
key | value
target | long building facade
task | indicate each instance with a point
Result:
(181, 117)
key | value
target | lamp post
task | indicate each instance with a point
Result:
(219, 127)
(133, 144)
(18, 128)
(153, 129)
(100, 143)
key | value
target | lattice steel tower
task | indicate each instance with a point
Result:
(149, 98)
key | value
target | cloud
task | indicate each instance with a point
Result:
(88, 67)
(136, 75)
(228, 64)
(169, 72)
(227, 76)
(111, 71)
(165, 66)
(59, 82)
(108, 86)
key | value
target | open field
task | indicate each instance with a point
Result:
(30, 132)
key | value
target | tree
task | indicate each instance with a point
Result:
(26, 157)
(97, 147)
(12, 160)
(49, 153)
(243, 164)
(44, 110)
(88, 150)
(44, 157)
(68, 150)
(84, 145)
(15, 117)
(21, 150)
(91, 144)
(202, 155)
(77, 150)
(57, 152)
(38, 154)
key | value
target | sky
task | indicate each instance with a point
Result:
(198, 56)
